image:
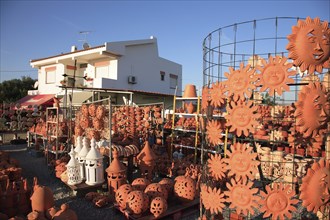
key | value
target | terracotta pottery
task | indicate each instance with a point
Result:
(158, 206)
(184, 188)
(189, 91)
(84, 110)
(241, 117)
(100, 112)
(311, 109)
(168, 184)
(65, 213)
(242, 196)
(241, 162)
(122, 194)
(216, 166)
(42, 198)
(140, 184)
(212, 199)
(315, 187)
(214, 132)
(146, 160)
(217, 94)
(92, 110)
(137, 202)
(154, 190)
(275, 75)
(312, 55)
(190, 108)
(241, 82)
(34, 215)
(278, 202)
(50, 213)
(116, 174)
(97, 124)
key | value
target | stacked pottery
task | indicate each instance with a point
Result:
(265, 162)
(277, 163)
(290, 170)
(189, 92)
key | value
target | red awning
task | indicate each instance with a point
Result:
(36, 100)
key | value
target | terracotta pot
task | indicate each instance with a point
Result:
(301, 151)
(190, 108)
(287, 150)
(190, 91)
(158, 206)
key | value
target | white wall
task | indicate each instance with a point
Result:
(52, 88)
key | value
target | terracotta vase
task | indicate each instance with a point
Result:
(137, 202)
(158, 206)
(301, 151)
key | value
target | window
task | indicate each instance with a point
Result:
(173, 81)
(162, 75)
(50, 75)
(102, 69)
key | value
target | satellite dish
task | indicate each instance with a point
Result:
(86, 45)
(36, 84)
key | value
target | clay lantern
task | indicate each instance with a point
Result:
(82, 156)
(79, 145)
(73, 170)
(94, 166)
(146, 160)
(116, 174)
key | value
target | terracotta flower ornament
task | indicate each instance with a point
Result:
(309, 45)
(242, 197)
(217, 93)
(241, 162)
(216, 166)
(315, 187)
(206, 97)
(212, 199)
(241, 117)
(312, 109)
(278, 201)
(241, 82)
(275, 75)
(214, 132)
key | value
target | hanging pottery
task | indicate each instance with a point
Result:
(214, 132)
(278, 202)
(154, 190)
(137, 202)
(312, 109)
(240, 82)
(158, 206)
(122, 194)
(242, 196)
(217, 94)
(241, 117)
(100, 112)
(315, 187)
(185, 188)
(309, 45)
(216, 166)
(212, 199)
(241, 162)
(140, 184)
(275, 75)
(84, 110)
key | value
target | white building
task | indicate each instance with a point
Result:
(131, 66)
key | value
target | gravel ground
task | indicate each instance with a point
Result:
(36, 166)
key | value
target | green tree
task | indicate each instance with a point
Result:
(15, 89)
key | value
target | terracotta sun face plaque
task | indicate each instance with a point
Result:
(214, 132)
(206, 97)
(312, 109)
(315, 187)
(275, 75)
(216, 166)
(241, 117)
(242, 196)
(240, 82)
(218, 97)
(241, 162)
(309, 45)
(212, 199)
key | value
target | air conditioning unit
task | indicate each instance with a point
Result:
(131, 79)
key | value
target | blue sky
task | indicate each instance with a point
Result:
(37, 29)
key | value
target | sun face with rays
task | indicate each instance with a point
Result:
(242, 197)
(309, 45)
(241, 82)
(212, 199)
(241, 117)
(214, 132)
(216, 166)
(315, 187)
(278, 201)
(206, 97)
(275, 75)
(241, 162)
(217, 93)
(312, 109)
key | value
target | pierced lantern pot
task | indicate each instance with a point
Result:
(116, 174)
(94, 166)
(73, 170)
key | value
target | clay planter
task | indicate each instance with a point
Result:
(137, 202)
(185, 188)
(158, 206)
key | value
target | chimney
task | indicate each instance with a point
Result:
(73, 48)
